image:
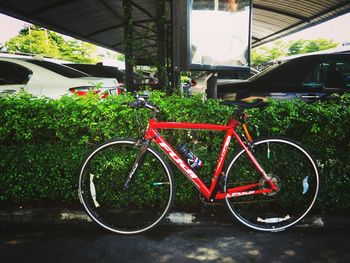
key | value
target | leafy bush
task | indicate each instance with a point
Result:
(44, 141)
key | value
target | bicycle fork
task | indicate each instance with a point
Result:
(138, 161)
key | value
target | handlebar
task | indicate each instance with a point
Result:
(141, 102)
(137, 103)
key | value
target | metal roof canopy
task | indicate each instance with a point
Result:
(102, 21)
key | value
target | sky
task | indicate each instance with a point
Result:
(336, 29)
(10, 27)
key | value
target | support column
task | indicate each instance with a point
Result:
(128, 44)
(212, 88)
(175, 44)
(169, 59)
(161, 44)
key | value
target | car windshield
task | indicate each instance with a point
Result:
(59, 69)
(263, 73)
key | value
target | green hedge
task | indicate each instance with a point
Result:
(43, 141)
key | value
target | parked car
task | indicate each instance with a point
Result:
(44, 78)
(309, 77)
(244, 73)
(100, 70)
(198, 84)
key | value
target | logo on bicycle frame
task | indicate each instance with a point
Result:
(222, 155)
(240, 194)
(178, 160)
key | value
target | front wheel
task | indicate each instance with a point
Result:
(125, 210)
(290, 167)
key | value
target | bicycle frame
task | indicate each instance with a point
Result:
(212, 193)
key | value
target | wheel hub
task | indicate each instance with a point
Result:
(264, 184)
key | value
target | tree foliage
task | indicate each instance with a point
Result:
(34, 40)
(37, 40)
(318, 45)
(296, 47)
(280, 49)
(78, 51)
(44, 141)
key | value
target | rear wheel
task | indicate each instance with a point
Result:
(290, 167)
(138, 208)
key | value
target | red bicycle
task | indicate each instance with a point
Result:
(127, 186)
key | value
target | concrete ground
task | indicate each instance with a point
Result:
(171, 243)
(199, 241)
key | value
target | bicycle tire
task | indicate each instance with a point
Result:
(138, 208)
(293, 170)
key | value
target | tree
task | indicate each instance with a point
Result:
(277, 50)
(77, 51)
(258, 58)
(33, 40)
(296, 47)
(37, 40)
(319, 44)
(280, 49)
(266, 53)
(307, 46)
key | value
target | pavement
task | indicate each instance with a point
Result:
(172, 243)
(58, 235)
(217, 215)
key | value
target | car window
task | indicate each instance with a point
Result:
(264, 73)
(13, 74)
(344, 71)
(289, 71)
(333, 74)
(316, 78)
(59, 69)
(99, 71)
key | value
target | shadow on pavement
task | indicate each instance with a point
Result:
(171, 243)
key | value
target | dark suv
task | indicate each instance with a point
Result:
(308, 77)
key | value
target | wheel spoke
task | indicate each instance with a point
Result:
(288, 166)
(142, 205)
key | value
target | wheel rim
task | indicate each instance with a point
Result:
(131, 211)
(274, 207)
